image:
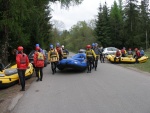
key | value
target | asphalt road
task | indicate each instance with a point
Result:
(110, 89)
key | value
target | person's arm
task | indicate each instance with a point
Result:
(18, 60)
(49, 56)
(94, 54)
(35, 59)
(27, 61)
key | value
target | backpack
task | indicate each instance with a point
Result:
(40, 56)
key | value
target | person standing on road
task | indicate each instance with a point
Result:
(93, 62)
(22, 62)
(53, 57)
(97, 52)
(90, 55)
(38, 60)
(101, 55)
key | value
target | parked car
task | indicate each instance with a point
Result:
(31, 54)
(109, 50)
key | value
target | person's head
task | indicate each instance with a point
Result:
(93, 44)
(37, 48)
(51, 46)
(118, 50)
(136, 49)
(37, 45)
(96, 44)
(129, 49)
(20, 49)
(88, 47)
(63, 46)
(124, 48)
(57, 44)
(141, 48)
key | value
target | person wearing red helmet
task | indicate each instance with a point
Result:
(22, 62)
(38, 60)
(90, 56)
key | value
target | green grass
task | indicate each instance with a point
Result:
(141, 66)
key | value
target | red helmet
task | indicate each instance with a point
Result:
(88, 46)
(37, 48)
(20, 48)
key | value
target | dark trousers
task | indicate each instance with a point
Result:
(39, 72)
(21, 74)
(101, 57)
(53, 67)
(89, 63)
(96, 62)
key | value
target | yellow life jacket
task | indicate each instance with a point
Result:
(53, 53)
(40, 56)
(89, 53)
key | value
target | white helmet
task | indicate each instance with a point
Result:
(62, 46)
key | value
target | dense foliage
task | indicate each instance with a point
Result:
(26, 22)
(124, 25)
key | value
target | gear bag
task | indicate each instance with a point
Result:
(40, 56)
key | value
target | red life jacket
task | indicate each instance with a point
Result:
(138, 53)
(58, 50)
(23, 59)
(123, 51)
(118, 54)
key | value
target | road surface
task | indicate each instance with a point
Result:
(110, 89)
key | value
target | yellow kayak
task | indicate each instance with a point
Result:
(128, 59)
(9, 76)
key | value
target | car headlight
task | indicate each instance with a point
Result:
(2, 75)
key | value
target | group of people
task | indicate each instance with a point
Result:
(54, 55)
(138, 53)
(93, 53)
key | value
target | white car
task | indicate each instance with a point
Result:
(82, 51)
(109, 50)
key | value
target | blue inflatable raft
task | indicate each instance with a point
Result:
(76, 62)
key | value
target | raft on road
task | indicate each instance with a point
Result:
(76, 62)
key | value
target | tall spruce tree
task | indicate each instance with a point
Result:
(102, 29)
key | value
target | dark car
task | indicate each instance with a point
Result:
(31, 54)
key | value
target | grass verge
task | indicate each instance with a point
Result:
(141, 66)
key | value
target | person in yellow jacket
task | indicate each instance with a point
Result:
(53, 57)
(90, 56)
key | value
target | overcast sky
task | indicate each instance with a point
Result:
(85, 11)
